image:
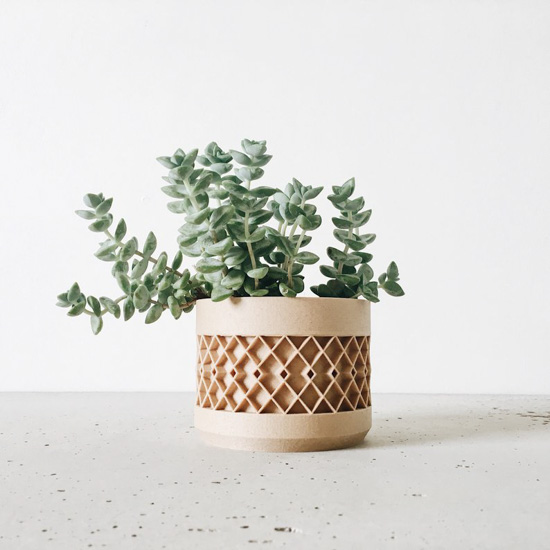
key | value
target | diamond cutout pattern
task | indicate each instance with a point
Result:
(284, 375)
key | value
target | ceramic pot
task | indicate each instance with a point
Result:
(283, 374)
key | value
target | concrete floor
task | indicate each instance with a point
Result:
(127, 471)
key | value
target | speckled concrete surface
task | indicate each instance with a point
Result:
(127, 471)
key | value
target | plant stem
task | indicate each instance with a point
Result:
(291, 260)
(249, 246)
(248, 243)
(346, 249)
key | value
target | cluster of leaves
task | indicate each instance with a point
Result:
(226, 231)
(350, 274)
(226, 217)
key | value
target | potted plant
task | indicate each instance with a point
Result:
(275, 372)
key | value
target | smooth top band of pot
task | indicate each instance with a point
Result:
(277, 316)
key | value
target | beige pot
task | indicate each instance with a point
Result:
(283, 374)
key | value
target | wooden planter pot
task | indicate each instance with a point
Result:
(283, 374)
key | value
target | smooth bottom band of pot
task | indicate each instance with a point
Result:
(283, 432)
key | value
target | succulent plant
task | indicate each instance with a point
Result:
(226, 232)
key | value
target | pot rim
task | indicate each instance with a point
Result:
(281, 316)
(299, 298)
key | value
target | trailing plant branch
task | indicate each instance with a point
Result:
(351, 275)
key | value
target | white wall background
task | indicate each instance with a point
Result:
(440, 109)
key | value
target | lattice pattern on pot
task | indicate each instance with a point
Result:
(283, 374)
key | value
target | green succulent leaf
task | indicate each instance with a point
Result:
(346, 190)
(235, 256)
(368, 238)
(128, 250)
(336, 255)
(312, 193)
(106, 249)
(354, 205)
(96, 323)
(74, 293)
(86, 214)
(234, 279)
(177, 261)
(77, 309)
(241, 158)
(220, 248)
(209, 265)
(111, 306)
(261, 192)
(139, 269)
(92, 200)
(198, 217)
(161, 264)
(62, 300)
(221, 216)
(370, 292)
(393, 272)
(342, 223)
(174, 307)
(141, 297)
(258, 293)
(175, 191)
(150, 245)
(120, 231)
(260, 217)
(351, 280)
(258, 273)
(94, 304)
(257, 235)
(104, 207)
(220, 293)
(166, 162)
(128, 308)
(177, 207)
(123, 282)
(361, 218)
(153, 314)
(181, 172)
(366, 272)
(306, 258)
(183, 280)
(286, 291)
(328, 271)
(393, 288)
(261, 160)
(102, 224)
(249, 174)
(309, 223)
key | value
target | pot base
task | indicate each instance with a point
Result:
(283, 433)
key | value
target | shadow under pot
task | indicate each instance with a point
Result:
(283, 374)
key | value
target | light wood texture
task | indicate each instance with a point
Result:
(283, 433)
(283, 374)
(276, 316)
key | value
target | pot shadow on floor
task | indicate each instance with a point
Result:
(467, 425)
